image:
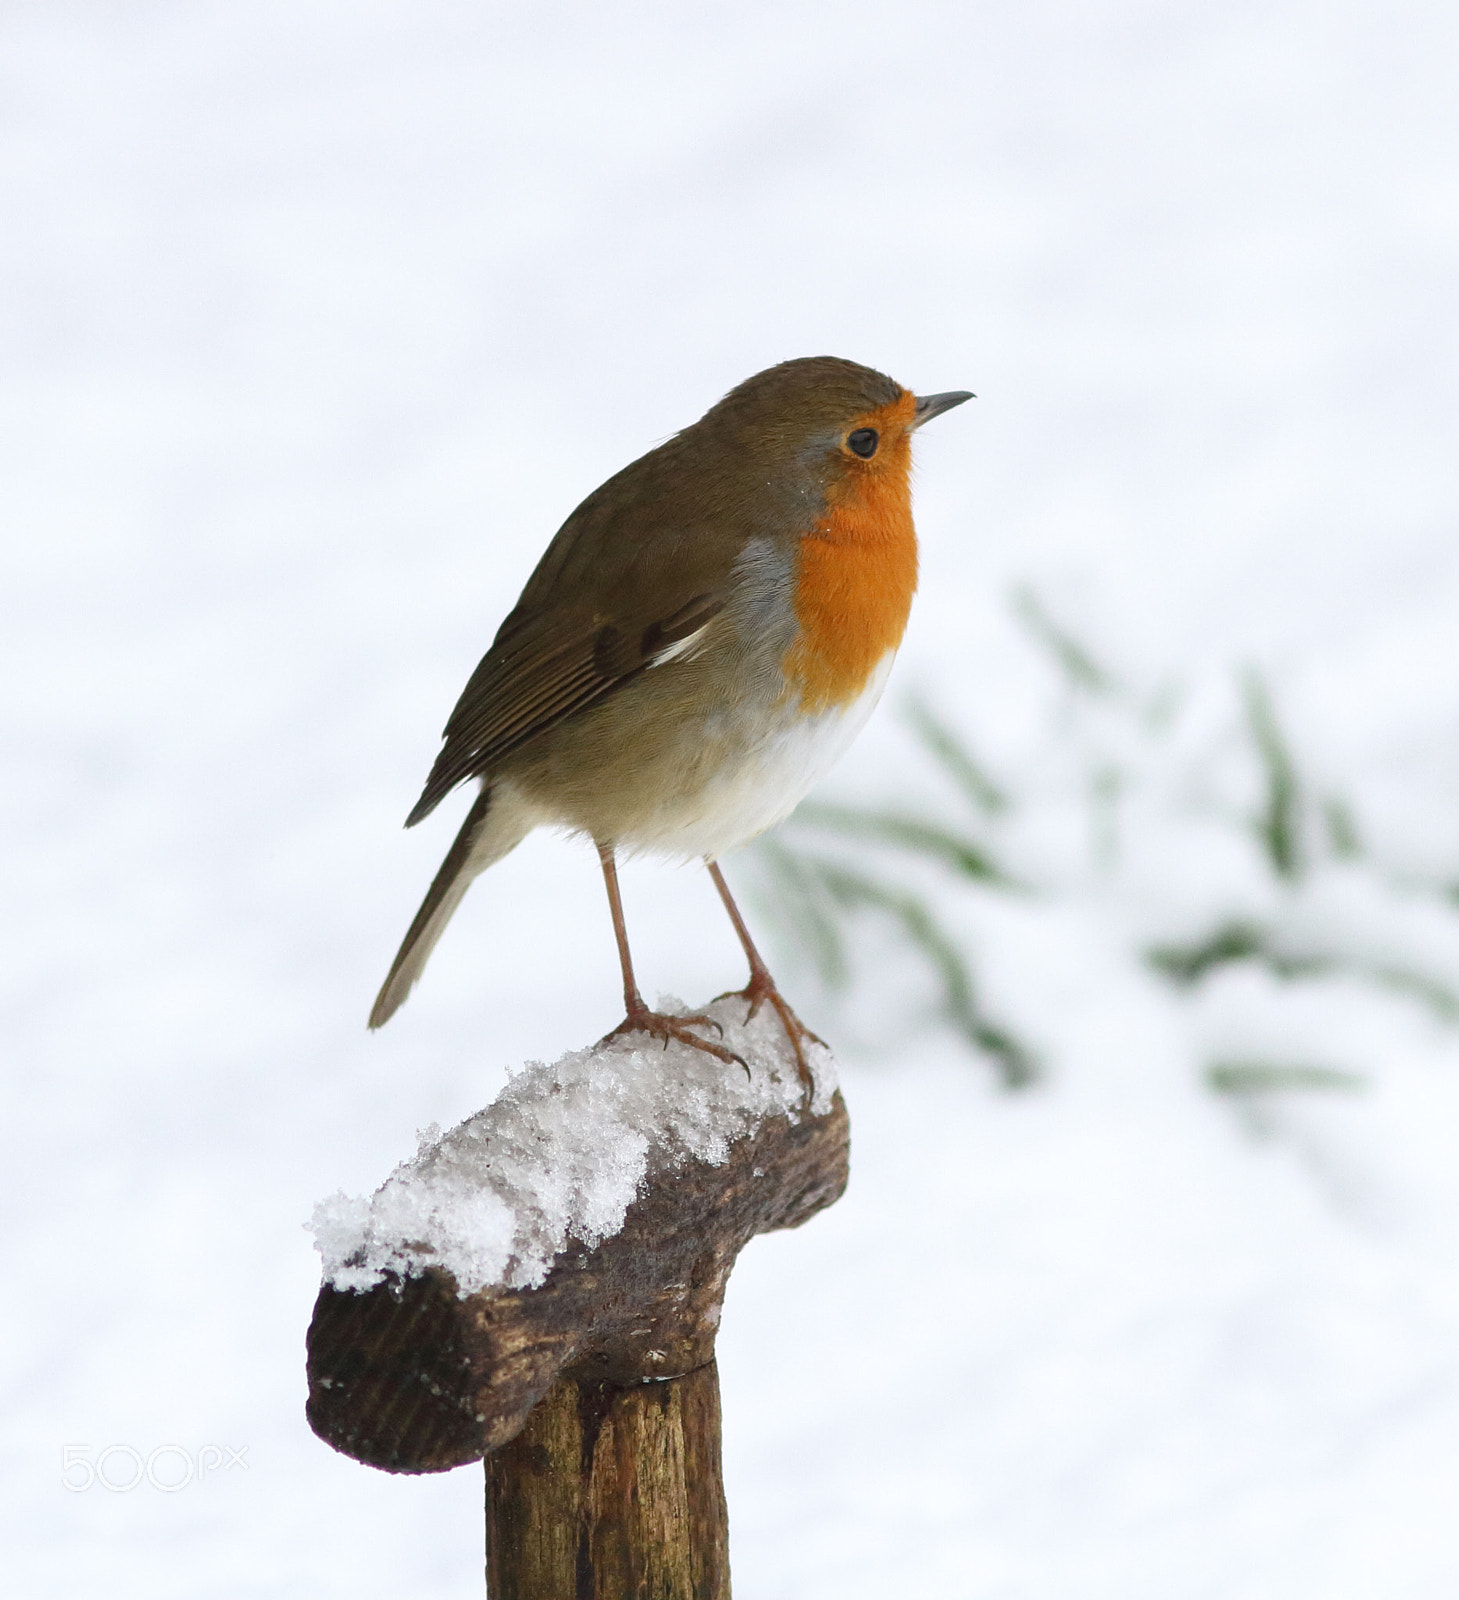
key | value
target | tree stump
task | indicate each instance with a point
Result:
(542, 1286)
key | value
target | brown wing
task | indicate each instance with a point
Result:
(540, 672)
(643, 562)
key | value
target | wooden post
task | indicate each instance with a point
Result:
(611, 1492)
(593, 1395)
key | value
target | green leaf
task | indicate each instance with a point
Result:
(806, 905)
(1279, 825)
(1266, 1077)
(1188, 964)
(905, 833)
(1017, 1066)
(955, 759)
(1079, 666)
(1343, 837)
(1437, 996)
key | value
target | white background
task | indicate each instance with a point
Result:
(317, 320)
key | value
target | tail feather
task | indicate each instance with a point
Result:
(489, 832)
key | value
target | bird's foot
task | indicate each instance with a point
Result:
(757, 991)
(659, 1025)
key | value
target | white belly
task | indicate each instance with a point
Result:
(783, 761)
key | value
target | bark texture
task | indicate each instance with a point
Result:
(410, 1377)
(609, 1493)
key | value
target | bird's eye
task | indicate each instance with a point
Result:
(863, 442)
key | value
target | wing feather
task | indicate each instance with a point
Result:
(533, 678)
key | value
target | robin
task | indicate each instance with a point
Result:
(704, 637)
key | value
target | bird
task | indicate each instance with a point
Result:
(700, 642)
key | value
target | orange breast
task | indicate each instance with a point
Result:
(856, 570)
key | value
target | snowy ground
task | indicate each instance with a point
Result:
(317, 320)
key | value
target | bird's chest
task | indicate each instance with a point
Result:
(745, 771)
(855, 574)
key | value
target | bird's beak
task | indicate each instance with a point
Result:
(933, 405)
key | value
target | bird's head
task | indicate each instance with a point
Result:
(821, 429)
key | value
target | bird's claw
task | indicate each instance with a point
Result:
(757, 991)
(659, 1025)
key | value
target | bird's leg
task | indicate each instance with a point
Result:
(761, 986)
(639, 1018)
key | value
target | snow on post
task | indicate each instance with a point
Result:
(575, 1235)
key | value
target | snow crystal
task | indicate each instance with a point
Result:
(561, 1153)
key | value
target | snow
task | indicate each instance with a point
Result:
(317, 319)
(564, 1150)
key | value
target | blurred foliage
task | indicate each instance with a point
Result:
(962, 855)
(1278, 825)
(821, 896)
(919, 871)
(1232, 941)
(1268, 1077)
(1077, 662)
(1186, 965)
(949, 752)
